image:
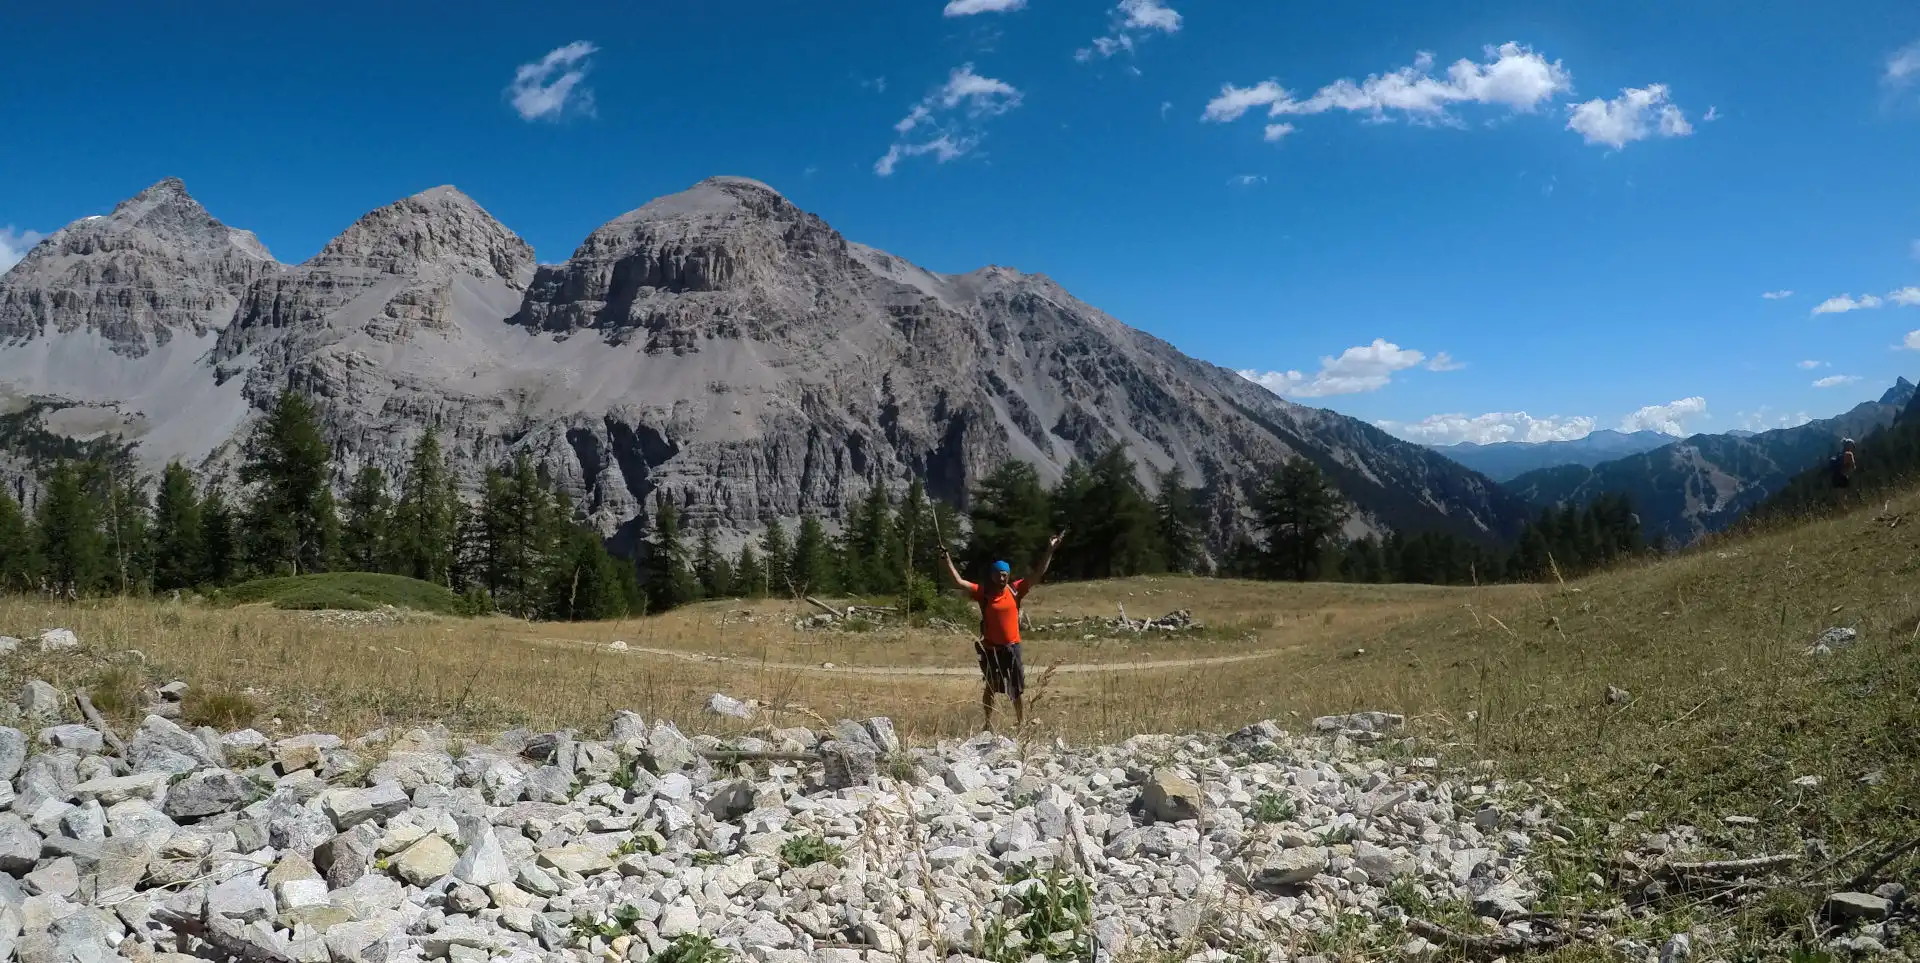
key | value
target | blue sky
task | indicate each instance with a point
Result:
(1423, 217)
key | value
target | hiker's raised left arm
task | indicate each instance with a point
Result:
(1046, 559)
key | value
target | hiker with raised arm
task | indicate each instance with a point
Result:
(999, 597)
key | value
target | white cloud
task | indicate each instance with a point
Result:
(1845, 303)
(949, 118)
(547, 88)
(1443, 361)
(1835, 381)
(1513, 76)
(1912, 342)
(1907, 297)
(1247, 180)
(1491, 428)
(1133, 21)
(1712, 114)
(1637, 114)
(1166, 107)
(1367, 367)
(967, 8)
(1777, 295)
(1810, 365)
(1765, 420)
(1277, 131)
(14, 245)
(1668, 419)
(1903, 65)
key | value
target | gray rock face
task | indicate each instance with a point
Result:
(1169, 798)
(159, 266)
(720, 346)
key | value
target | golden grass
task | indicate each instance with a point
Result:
(1726, 709)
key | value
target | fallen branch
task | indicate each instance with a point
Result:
(1487, 947)
(1722, 867)
(830, 610)
(99, 724)
(1866, 875)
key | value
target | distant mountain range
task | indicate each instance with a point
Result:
(718, 349)
(1685, 489)
(1505, 460)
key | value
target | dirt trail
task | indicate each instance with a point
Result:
(912, 670)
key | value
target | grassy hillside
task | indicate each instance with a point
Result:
(1709, 482)
(352, 591)
(1671, 698)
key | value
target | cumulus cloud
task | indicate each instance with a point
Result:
(1912, 342)
(1906, 297)
(1443, 361)
(946, 123)
(1668, 419)
(1810, 365)
(1777, 295)
(1133, 21)
(1845, 303)
(1637, 114)
(550, 87)
(967, 8)
(1903, 66)
(1491, 428)
(1766, 419)
(1277, 131)
(14, 246)
(1835, 381)
(1513, 76)
(1363, 368)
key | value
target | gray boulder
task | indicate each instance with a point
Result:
(205, 793)
(1170, 798)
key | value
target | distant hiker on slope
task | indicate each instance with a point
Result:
(1843, 464)
(1001, 669)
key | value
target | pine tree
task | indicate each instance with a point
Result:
(1177, 519)
(363, 532)
(669, 582)
(775, 554)
(586, 583)
(178, 561)
(426, 530)
(530, 522)
(869, 566)
(122, 505)
(289, 518)
(17, 564)
(749, 576)
(712, 570)
(1115, 529)
(811, 570)
(72, 552)
(219, 552)
(1301, 514)
(1011, 518)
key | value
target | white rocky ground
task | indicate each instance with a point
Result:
(639, 844)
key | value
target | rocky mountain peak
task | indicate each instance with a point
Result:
(725, 236)
(1901, 394)
(158, 263)
(437, 227)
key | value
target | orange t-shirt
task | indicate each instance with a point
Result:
(1000, 615)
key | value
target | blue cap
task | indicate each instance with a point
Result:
(1002, 567)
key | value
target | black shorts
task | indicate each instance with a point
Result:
(1841, 481)
(1001, 668)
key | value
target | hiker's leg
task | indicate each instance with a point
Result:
(1017, 683)
(986, 704)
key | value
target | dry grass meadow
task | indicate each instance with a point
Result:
(1725, 711)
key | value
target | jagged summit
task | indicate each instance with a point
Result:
(439, 225)
(1900, 394)
(157, 264)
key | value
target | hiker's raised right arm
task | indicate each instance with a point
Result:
(954, 573)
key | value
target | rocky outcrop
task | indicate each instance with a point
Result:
(727, 350)
(158, 266)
